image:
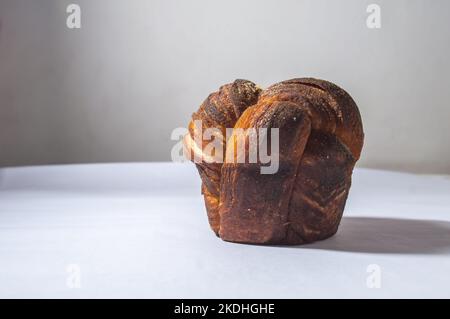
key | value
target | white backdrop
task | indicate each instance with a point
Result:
(116, 88)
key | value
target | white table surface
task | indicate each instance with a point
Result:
(140, 230)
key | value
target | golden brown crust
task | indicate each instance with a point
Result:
(220, 110)
(321, 138)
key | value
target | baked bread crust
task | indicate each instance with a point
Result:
(320, 139)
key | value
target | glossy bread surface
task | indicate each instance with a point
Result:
(320, 140)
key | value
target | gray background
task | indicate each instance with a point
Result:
(116, 88)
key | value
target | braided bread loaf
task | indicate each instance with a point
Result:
(320, 140)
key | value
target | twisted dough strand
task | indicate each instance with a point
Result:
(321, 138)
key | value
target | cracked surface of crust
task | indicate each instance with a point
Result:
(321, 138)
